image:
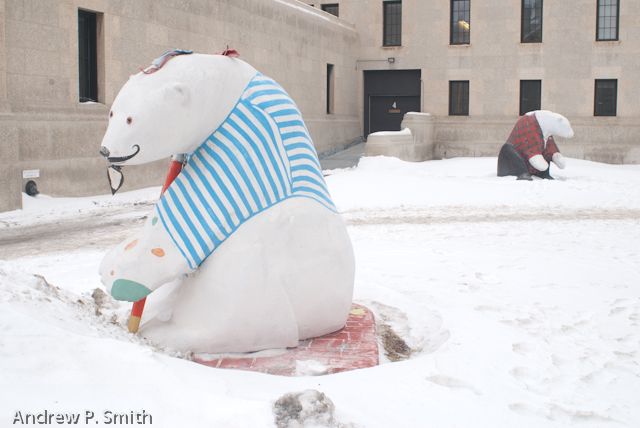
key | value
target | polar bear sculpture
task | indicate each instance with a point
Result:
(248, 226)
(531, 147)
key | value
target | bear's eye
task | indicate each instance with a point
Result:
(129, 120)
(110, 114)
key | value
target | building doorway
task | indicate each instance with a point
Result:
(388, 95)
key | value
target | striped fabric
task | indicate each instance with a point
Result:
(261, 155)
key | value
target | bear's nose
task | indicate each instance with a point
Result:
(104, 151)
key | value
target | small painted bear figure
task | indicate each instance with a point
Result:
(530, 147)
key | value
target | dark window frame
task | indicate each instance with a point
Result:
(454, 23)
(527, 38)
(458, 106)
(330, 7)
(330, 88)
(390, 37)
(87, 56)
(617, 19)
(599, 106)
(525, 103)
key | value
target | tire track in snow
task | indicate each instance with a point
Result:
(99, 229)
(452, 214)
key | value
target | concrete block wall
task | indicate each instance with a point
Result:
(44, 126)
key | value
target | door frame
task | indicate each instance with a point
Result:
(403, 82)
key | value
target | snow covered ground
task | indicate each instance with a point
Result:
(520, 301)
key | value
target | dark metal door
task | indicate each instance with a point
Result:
(386, 111)
(383, 88)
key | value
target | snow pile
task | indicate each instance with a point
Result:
(299, 409)
(92, 314)
(310, 368)
(33, 295)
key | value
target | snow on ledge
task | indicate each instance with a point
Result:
(405, 131)
(315, 12)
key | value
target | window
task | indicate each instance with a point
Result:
(330, 88)
(607, 23)
(392, 23)
(330, 8)
(606, 97)
(87, 56)
(459, 98)
(530, 91)
(460, 21)
(531, 21)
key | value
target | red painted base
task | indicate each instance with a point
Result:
(353, 347)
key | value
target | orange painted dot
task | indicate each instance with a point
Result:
(158, 252)
(112, 272)
(131, 245)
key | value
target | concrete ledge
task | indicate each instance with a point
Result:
(414, 143)
(397, 144)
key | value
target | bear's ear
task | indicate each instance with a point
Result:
(177, 93)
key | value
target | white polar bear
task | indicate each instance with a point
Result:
(249, 220)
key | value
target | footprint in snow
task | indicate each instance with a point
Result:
(523, 348)
(453, 383)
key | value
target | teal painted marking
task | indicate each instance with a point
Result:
(131, 291)
(154, 221)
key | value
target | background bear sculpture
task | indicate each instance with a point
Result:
(531, 147)
(247, 242)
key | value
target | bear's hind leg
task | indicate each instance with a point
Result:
(511, 163)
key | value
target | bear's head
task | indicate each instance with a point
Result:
(173, 110)
(146, 121)
(553, 124)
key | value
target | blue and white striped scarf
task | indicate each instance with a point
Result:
(262, 154)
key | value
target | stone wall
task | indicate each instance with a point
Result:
(43, 126)
(608, 140)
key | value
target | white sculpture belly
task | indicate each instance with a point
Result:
(247, 297)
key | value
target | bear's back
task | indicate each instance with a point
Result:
(261, 155)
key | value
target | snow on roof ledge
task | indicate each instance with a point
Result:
(416, 113)
(304, 7)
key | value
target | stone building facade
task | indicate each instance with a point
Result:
(44, 127)
(567, 61)
(350, 75)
